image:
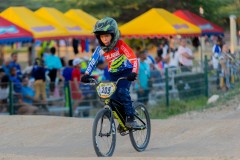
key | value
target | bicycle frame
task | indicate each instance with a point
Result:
(105, 132)
(109, 103)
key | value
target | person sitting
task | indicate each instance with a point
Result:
(20, 107)
(4, 93)
(28, 94)
(14, 63)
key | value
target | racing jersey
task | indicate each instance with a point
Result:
(119, 59)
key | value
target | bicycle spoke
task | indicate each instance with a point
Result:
(104, 139)
(140, 137)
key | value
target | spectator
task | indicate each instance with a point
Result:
(38, 73)
(28, 94)
(216, 52)
(2, 73)
(20, 107)
(165, 48)
(14, 63)
(67, 72)
(142, 85)
(195, 43)
(224, 68)
(173, 55)
(75, 43)
(75, 83)
(17, 85)
(53, 64)
(160, 63)
(6, 67)
(4, 92)
(185, 56)
(149, 60)
(160, 50)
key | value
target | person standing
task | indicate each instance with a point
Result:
(53, 64)
(38, 73)
(75, 82)
(185, 56)
(142, 85)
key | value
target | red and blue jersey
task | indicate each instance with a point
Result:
(119, 59)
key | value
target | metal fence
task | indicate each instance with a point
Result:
(170, 84)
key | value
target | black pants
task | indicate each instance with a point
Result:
(52, 75)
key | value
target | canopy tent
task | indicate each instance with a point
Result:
(25, 18)
(11, 33)
(57, 18)
(158, 23)
(208, 28)
(82, 18)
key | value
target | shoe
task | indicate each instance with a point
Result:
(131, 123)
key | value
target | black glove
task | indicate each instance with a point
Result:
(132, 76)
(86, 78)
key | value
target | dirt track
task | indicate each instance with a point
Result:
(212, 134)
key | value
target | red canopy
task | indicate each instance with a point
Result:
(207, 27)
(10, 33)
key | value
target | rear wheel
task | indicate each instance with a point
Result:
(140, 137)
(104, 133)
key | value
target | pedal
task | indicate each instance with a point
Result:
(121, 131)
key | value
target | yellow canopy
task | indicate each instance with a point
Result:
(26, 19)
(82, 18)
(158, 23)
(57, 18)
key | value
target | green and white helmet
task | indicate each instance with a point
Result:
(107, 25)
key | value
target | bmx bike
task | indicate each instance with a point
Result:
(104, 128)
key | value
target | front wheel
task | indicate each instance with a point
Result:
(140, 138)
(104, 133)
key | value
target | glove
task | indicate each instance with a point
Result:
(132, 76)
(86, 78)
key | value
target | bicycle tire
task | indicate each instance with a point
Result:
(102, 115)
(133, 133)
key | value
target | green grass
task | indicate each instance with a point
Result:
(161, 111)
(177, 107)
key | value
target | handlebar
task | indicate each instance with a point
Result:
(94, 82)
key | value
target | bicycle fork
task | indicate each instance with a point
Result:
(112, 128)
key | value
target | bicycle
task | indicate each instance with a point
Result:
(104, 127)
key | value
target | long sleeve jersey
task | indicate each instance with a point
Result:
(119, 59)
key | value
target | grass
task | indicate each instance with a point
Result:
(161, 111)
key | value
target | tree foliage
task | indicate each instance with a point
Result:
(216, 11)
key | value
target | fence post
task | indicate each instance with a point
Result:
(206, 74)
(10, 109)
(166, 87)
(68, 99)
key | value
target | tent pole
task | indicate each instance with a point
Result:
(1, 54)
(67, 53)
(202, 48)
(233, 33)
(32, 53)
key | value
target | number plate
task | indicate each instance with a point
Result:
(105, 90)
